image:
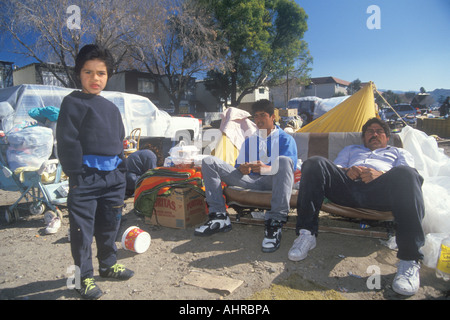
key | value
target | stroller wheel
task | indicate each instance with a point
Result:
(37, 208)
(11, 216)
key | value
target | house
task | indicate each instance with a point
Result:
(326, 87)
(6, 74)
(205, 100)
(40, 73)
(196, 99)
(144, 84)
(281, 94)
(249, 99)
(135, 82)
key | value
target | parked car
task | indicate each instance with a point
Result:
(406, 112)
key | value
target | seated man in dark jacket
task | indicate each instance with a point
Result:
(373, 176)
(137, 164)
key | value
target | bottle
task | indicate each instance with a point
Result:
(443, 264)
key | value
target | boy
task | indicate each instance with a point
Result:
(89, 138)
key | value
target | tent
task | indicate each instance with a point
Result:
(348, 116)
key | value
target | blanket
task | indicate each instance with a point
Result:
(160, 181)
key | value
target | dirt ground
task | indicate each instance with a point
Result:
(342, 266)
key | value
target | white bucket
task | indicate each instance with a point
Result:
(136, 240)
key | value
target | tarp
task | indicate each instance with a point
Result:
(434, 166)
(325, 105)
(137, 111)
(234, 128)
(348, 116)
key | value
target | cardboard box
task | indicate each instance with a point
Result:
(183, 208)
(287, 112)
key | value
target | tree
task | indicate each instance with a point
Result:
(293, 65)
(390, 96)
(218, 84)
(354, 87)
(409, 96)
(264, 39)
(39, 30)
(177, 43)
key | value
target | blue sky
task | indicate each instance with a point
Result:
(409, 51)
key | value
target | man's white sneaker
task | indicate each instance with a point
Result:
(305, 242)
(218, 222)
(407, 279)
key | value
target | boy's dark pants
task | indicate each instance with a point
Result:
(399, 190)
(95, 203)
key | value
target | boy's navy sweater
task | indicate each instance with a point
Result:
(88, 125)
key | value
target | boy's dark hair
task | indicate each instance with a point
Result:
(383, 124)
(263, 105)
(91, 52)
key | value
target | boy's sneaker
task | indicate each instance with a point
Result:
(89, 289)
(117, 271)
(53, 226)
(272, 235)
(48, 217)
(305, 242)
(218, 222)
(407, 279)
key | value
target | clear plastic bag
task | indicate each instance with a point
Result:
(431, 248)
(29, 147)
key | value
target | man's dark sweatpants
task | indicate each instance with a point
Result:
(399, 190)
(95, 203)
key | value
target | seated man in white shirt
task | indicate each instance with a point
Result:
(373, 176)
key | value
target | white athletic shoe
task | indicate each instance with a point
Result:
(407, 279)
(305, 242)
(53, 226)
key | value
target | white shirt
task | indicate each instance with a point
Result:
(383, 159)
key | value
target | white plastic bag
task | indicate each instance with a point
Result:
(431, 248)
(434, 166)
(29, 147)
(183, 154)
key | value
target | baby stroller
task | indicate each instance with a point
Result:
(36, 186)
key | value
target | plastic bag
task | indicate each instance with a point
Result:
(6, 116)
(431, 248)
(434, 166)
(183, 155)
(29, 147)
